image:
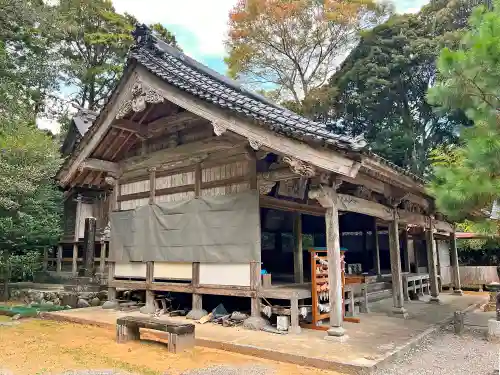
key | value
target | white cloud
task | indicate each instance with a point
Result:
(205, 19)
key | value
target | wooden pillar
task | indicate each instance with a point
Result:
(457, 288)
(255, 280)
(45, 259)
(113, 206)
(59, 258)
(327, 197)
(406, 250)
(78, 214)
(102, 261)
(74, 263)
(397, 279)
(149, 307)
(111, 278)
(298, 257)
(197, 303)
(416, 250)
(376, 248)
(87, 269)
(432, 263)
(152, 185)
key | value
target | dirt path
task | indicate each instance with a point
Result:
(46, 347)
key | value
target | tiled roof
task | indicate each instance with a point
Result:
(183, 72)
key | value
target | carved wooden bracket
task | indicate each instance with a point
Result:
(325, 195)
(256, 145)
(141, 95)
(110, 180)
(219, 128)
(300, 167)
(363, 192)
(265, 187)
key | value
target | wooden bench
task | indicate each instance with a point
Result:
(418, 283)
(180, 335)
(356, 294)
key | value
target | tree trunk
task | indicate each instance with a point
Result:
(5, 275)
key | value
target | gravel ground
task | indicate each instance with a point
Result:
(227, 370)
(448, 354)
(215, 370)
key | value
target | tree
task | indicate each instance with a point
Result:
(380, 89)
(467, 184)
(294, 46)
(30, 203)
(28, 62)
(95, 41)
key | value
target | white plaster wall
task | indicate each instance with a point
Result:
(170, 270)
(225, 274)
(132, 270)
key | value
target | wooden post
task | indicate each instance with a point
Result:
(152, 185)
(406, 250)
(327, 197)
(376, 248)
(78, 214)
(432, 263)
(457, 288)
(111, 278)
(59, 259)
(102, 261)
(298, 257)
(294, 315)
(255, 278)
(74, 263)
(89, 247)
(197, 303)
(397, 280)
(416, 249)
(45, 259)
(113, 206)
(149, 308)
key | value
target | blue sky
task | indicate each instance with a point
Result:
(200, 25)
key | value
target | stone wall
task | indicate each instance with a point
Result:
(73, 299)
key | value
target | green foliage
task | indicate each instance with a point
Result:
(23, 266)
(468, 81)
(94, 45)
(380, 89)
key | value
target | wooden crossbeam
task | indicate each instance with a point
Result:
(101, 166)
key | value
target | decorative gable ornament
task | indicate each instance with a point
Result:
(141, 96)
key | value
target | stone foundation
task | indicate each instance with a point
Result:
(74, 299)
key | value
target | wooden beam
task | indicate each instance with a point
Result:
(130, 126)
(101, 166)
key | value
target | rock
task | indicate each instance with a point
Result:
(82, 303)
(37, 297)
(95, 301)
(86, 295)
(43, 302)
(110, 305)
(103, 295)
(196, 314)
(16, 317)
(70, 300)
(255, 323)
(48, 303)
(57, 301)
(238, 317)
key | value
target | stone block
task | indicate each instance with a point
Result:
(493, 328)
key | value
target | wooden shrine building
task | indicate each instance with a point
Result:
(208, 184)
